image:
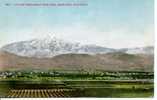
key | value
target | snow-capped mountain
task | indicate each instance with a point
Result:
(51, 46)
(142, 50)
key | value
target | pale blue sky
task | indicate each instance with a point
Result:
(110, 23)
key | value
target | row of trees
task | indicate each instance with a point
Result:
(73, 75)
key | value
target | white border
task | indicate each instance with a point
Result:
(155, 50)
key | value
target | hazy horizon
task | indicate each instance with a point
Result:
(107, 23)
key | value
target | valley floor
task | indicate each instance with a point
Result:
(60, 84)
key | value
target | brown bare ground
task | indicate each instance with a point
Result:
(111, 61)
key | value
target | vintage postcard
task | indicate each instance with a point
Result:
(77, 48)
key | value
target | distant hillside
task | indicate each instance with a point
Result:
(142, 50)
(50, 47)
(116, 61)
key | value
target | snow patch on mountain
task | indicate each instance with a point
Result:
(52, 46)
(140, 50)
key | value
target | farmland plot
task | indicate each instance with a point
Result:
(43, 93)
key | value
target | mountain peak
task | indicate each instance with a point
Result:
(51, 46)
(47, 38)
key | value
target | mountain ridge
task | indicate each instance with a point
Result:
(50, 47)
(107, 62)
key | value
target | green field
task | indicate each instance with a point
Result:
(83, 84)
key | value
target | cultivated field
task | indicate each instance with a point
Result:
(75, 84)
(43, 93)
